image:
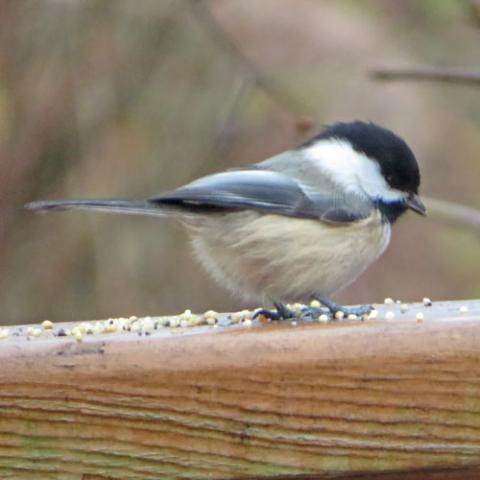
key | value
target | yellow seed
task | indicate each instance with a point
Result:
(82, 327)
(3, 333)
(339, 315)
(110, 327)
(147, 324)
(186, 315)
(372, 315)
(352, 316)
(463, 309)
(315, 304)
(211, 320)
(47, 324)
(197, 320)
(247, 322)
(419, 317)
(33, 331)
(87, 327)
(390, 315)
(427, 302)
(78, 334)
(323, 318)
(237, 317)
(388, 301)
(97, 328)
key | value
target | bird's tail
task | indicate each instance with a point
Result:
(135, 207)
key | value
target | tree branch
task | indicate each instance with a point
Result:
(475, 11)
(454, 213)
(426, 73)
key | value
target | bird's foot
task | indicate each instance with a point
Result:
(313, 313)
(281, 312)
(359, 311)
(333, 308)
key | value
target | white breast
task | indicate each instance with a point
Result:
(287, 259)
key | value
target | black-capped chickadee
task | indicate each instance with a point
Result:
(300, 225)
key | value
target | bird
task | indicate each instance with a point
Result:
(298, 226)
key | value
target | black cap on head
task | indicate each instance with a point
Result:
(397, 162)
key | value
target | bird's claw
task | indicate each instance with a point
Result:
(281, 312)
(271, 314)
(333, 308)
(359, 311)
(313, 313)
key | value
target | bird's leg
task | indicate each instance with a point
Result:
(281, 312)
(335, 307)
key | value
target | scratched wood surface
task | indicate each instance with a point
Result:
(379, 399)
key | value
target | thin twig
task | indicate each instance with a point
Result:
(426, 73)
(225, 134)
(475, 11)
(221, 37)
(454, 213)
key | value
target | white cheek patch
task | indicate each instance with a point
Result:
(353, 170)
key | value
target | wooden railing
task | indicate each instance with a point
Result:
(395, 398)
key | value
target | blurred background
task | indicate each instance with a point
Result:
(124, 98)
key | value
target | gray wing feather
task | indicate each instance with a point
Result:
(264, 191)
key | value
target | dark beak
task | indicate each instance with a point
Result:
(414, 203)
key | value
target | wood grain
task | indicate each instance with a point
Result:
(375, 399)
